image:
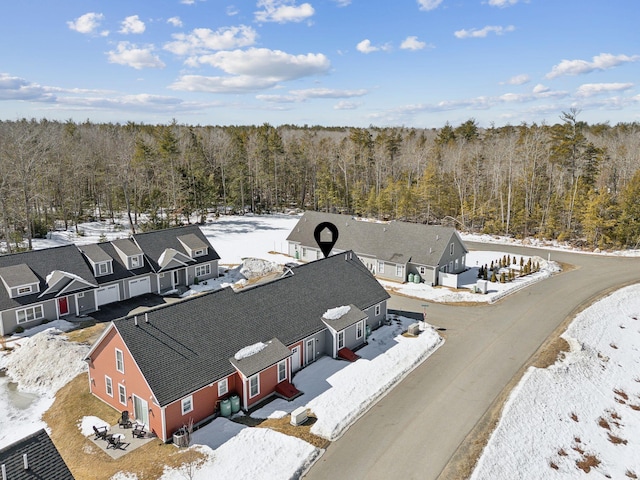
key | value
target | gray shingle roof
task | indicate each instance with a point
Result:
(126, 246)
(95, 253)
(43, 459)
(273, 352)
(120, 270)
(154, 243)
(66, 258)
(187, 345)
(17, 275)
(353, 316)
(396, 242)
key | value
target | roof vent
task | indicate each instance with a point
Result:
(146, 317)
(4, 472)
(437, 237)
(135, 320)
(25, 461)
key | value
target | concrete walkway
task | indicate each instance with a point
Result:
(414, 431)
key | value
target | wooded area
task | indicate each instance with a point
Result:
(567, 181)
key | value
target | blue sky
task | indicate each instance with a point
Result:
(414, 63)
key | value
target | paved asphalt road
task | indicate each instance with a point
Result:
(413, 431)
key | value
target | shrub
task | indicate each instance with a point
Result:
(19, 329)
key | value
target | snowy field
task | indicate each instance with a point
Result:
(582, 414)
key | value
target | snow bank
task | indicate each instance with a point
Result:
(282, 457)
(250, 350)
(87, 423)
(256, 268)
(336, 313)
(586, 404)
(45, 362)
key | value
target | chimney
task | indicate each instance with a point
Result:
(25, 461)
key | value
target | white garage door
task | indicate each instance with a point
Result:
(139, 286)
(108, 294)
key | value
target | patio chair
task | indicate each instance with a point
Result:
(138, 431)
(100, 432)
(115, 441)
(124, 421)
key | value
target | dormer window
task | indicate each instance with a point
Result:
(135, 261)
(199, 252)
(25, 290)
(102, 268)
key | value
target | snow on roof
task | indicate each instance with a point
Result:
(250, 350)
(336, 313)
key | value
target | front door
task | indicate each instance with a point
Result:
(176, 278)
(141, 410)
(311, 350)
(295, 359)
(63, 306)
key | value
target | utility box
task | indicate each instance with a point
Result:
(414, 329)
(298, 416)
(481, 286)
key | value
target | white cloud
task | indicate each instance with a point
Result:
(429, 4)
(539, 88)
(365, 47)
(519, 79)
(482, 33)
(604, 61)
(279, 98)
(202, 40)
(175, 21)
(16, 88)
(412, 43)
(343, 3)
(502, 3)
(132, 24)
(88, 23)
(251, 70)
(591, 89)
(283, 11)
(232, 10)
(344, 105)
(130, 55)
(328, 93)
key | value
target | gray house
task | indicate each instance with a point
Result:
(34, 457)
(396, 251)
(44, 284)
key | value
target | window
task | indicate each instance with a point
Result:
(223, 387)
(451, 266)
(254, 386)
(108, 386)
(380, 267)
(359, 329)
(30, 313)
(451, 249)
(282, 371)
(119, 361)
(24, 290)
(399, 270)
(377, 310)
(81, 295)
(340, 340)
(103, 268)
(187, 404)
(122, 394)
(456, 264)
(202, 270)
(422, 270)
(199, 252)
(135, 261)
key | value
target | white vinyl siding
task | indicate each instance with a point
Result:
(119, 361)
(108, 386)
(202, 270)
(28, 314)
(187, 405)
(282, 371)
(254, 386)
(223, 387)
(122, 395)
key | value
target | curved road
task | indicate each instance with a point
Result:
(415, 429)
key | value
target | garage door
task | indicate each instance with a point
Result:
(139, 286)
(108, 294)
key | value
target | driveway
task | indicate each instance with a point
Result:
(415, 430)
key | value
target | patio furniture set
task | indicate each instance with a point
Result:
(116, 440)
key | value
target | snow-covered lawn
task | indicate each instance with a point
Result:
(583, 412)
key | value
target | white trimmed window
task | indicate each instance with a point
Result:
(108, 385)
(451, 248)
(380, 267)
(377, 310)
(187, 404)
(202, 270)
(359, 329)
(254, 386)
(223, 387)
(399, 270)
(135, 261)
(119, 361)
(282, 371)
(25, 290)
(103, 268)
(28, 314)
(199, 252)
(422, 270)
(340, 339)
(122, 394)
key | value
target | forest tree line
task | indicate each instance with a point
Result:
(568, 181)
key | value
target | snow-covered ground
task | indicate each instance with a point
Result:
(581, 414)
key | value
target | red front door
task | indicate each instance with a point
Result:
(63, 306)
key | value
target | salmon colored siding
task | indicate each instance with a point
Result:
(103, 362)
(268, 382)
(204, 403)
